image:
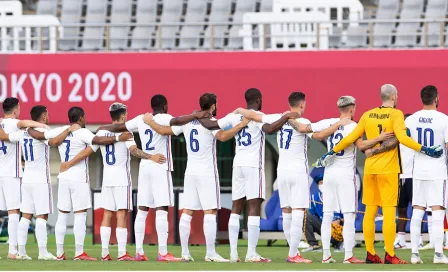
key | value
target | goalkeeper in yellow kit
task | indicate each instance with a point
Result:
(381, 171)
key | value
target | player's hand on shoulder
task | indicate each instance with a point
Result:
(147, 117)
(201, 114)
(64, 167)
(125, 136)
(345, 121)
(433, 151)
(74, 127)
(158, 158)
(244, 121)
(292, 115)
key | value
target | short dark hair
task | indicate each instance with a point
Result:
(115, 115)
(295, 98)
(74, 114)
(252, 95)
(37, 111)
(207, 100)
(10, 104)
(158, 101)
(428, 94)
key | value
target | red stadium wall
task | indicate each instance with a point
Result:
(94, 80)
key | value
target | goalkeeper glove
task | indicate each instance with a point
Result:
(325, 160)
(433, 151)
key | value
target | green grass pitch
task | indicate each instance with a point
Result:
(277, 253)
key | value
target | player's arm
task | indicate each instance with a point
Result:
(400, 131)
(105, 140)
(225, 135)
(277, 125)
(363, 145)
(77, 159)
(30, 124)
(59, 139)
(209, 123)
(250, 114)
(384, 147)
(162, 130)
(322, 134)
(357, 133)
(116, 128)
(138, 153)
(185, 119)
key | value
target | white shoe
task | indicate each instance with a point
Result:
(415, 259)
(234, 258)
(187, 258)
(303, 244)
(216, 259)
(442, 259)
(399, 245)
(427, 246)
(23, 257)
(257, 259)
(48, 257)
(328, 260)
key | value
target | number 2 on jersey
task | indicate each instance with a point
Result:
(194, 143)
(28, 143)
(243, 134)
(334, 140)
(67, 149)
(288, 139)
(425, 136)
(149, 132)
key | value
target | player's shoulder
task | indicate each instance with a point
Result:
(6, 122)
(41, 129)
(104, 132)
(303, 120)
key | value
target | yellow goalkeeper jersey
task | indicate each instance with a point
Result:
(372, 123)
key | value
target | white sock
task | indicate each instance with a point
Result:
(122, 238)
(420, 241)
(42, 236)
(162, 231)
(210, 233)
(105, 240)
(326, 234)
(296, 231)
(139, 229)
(22, 234)
(287, 217)
(13, 224)
(234, 230)
(79, 228)
(184, 232)
(437, 230)
(431, 240)
(253, 231)
(60, 229)
(416, 228)
(348, 234)
(401, 237)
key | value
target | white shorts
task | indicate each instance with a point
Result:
(248, 182)
(293, 189)
(9, 193)
(74, 195)
(201, 193)
(155, 187)
(37, 198)
(116, 198)
(339, 194)
(429, 193)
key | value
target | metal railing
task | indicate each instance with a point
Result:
(212, 36)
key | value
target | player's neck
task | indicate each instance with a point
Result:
(388, 104)
(345, 115)
(13, 116)
(252, 107)
(429, 107)
(298, 110)
(157, 112)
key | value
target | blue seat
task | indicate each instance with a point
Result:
(273, 214)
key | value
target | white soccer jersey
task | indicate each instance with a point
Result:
(75, 142)
(407, 161)
(36, 154)
(201, 149)
(152, 142)
(292, 145)
(250, 141)
(116, 161)
(10, 161)
(429, 128)
(345, 161)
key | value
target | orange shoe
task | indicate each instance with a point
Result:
(62, 257)
(393, 260)
(354, 260)
(141, 258)
(107, 258)
(84, 257)
(126, 258)
(373, 259)
(168, 258)
(298, 259)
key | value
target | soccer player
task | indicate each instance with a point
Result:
(11, 169)
(429, 127)
(74, 186)
(201, 184)
(248, 180)
(117, 184)
(37, 197)
(155, 186)
(382, 171)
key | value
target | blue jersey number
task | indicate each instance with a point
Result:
(334, 140)
(149, 132)
(194, 143)
(3, 147)
(288, 138)
(425, 136)
(243, 134)
(110, 154)
(28, 145)
(67, 149)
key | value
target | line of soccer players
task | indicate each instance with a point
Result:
(201, 184)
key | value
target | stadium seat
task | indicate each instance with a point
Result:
(407, 32)
(334, 39)
(273, 213)
(220, 13)
(266, 5)
(190, 35)
(435, 9)
(235, 41)
(146, 12)
(70, 14)
(172, 12)
(93, 35)
(356, 37)
(121, 14)
(382, 32)
(47, 7)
